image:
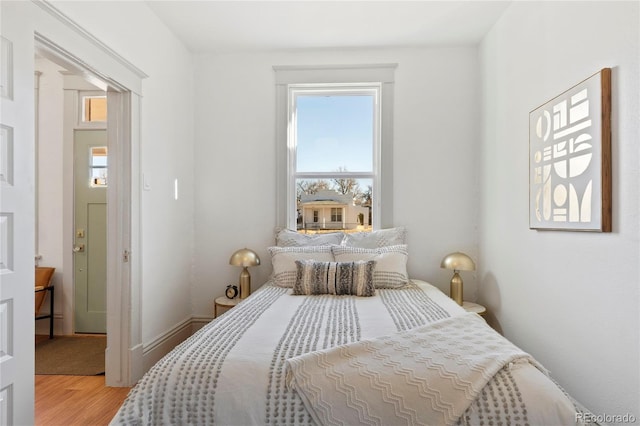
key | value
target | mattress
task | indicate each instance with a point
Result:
(233, 371)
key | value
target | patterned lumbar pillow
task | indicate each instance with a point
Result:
(339, 278)
(391, 263)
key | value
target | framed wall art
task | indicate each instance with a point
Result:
(570, 159)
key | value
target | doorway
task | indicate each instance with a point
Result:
(71, 218)
(118, 208)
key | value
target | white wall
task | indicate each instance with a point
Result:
(436, 132)
(166, 154)
(569, 298)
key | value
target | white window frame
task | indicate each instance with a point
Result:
(294, 175)
(292, 77)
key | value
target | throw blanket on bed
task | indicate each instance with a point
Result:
(426, 376)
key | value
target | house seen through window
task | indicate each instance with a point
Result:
(334, 145)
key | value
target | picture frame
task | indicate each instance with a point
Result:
(570, 159)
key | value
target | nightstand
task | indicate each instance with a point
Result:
(474, 307)
(224, 302)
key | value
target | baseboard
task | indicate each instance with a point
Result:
(161, 345)
(198, 322)
(42, 326)
(136, 364)
(150, 353)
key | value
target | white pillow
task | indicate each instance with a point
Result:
(391, 263)
(375, 239)
(284, 259)
(289, 238)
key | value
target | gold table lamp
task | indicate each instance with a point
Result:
(245, 258)
(458, 262)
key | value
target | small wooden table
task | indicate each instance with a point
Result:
(474, 307)
(224, 302)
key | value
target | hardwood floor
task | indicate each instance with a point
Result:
(75, 400)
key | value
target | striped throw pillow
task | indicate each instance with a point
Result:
(339, 278)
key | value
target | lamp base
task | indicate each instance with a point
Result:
(455, 289)
(245, 283)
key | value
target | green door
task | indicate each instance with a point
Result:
(90, 248)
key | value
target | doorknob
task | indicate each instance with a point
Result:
(79, 248)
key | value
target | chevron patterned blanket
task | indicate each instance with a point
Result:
(429, 375)
(233, 371)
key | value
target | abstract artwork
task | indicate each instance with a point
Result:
(570, 159)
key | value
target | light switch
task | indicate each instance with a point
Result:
(146, 182)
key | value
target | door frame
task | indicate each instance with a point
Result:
(122, 366)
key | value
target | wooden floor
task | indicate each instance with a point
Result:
(75, 400)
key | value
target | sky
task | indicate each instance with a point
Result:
(333, 132)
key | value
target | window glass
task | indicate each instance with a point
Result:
(334, 132)
(94, 109)
(336, 214)
(333, 146)
(98, 166)
(321, 205)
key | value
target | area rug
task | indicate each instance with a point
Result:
(71, 355)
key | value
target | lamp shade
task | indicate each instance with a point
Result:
(458, 262)
(244, 257)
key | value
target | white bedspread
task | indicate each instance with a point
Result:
(232, 371)
(429, 375)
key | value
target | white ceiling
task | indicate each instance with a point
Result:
(223, 26)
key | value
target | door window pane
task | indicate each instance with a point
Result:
(98, 166)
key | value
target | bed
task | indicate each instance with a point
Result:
(406, 354)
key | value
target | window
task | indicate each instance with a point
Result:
(94, 108)
(334, 151)
(98, 166)
(334, 147)
(336, 214)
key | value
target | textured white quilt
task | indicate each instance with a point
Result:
(428, 375)
(233, 370)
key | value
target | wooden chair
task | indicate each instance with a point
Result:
(43, 285)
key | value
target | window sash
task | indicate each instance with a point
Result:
(351, 89)
(336, 214)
